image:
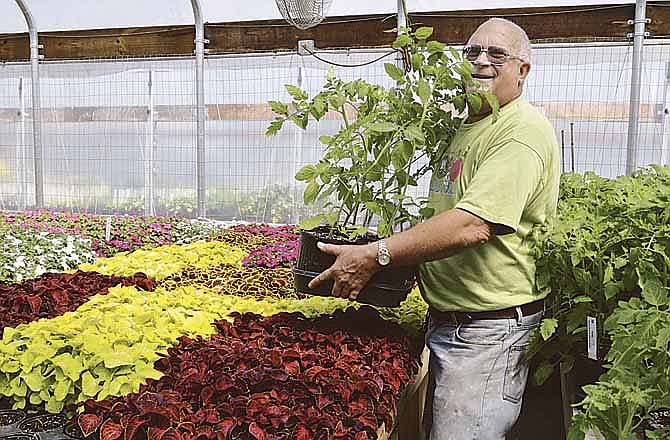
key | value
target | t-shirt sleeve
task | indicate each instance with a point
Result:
(503, 184)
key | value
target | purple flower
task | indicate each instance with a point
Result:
(273, 255)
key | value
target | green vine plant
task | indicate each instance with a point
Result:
(389, 138)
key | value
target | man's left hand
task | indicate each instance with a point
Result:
(353, 268)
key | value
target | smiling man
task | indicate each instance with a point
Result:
(497, 181)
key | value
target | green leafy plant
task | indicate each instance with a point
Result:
(389, 139)
(589, 256)
(607, 255)
(637, 381)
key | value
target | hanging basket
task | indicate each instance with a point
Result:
(303, 14)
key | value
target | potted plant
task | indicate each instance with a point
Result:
(390, 137)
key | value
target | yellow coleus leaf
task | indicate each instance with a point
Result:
(168, 260)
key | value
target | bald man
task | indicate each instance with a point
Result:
(477, 274)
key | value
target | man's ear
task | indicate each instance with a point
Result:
(524, 70)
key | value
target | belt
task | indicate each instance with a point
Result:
(466, 317)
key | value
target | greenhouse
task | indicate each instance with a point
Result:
(335, 219)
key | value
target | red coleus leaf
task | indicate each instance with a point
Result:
(225, 427)
(302, 433)
(258, 432)
(362, 435)
(367, 421)
(154, 433)
(206, 394)
(172, 434)
(203, 432)
(135, 423)
(35, 302)
(88, 423)
(110, 430)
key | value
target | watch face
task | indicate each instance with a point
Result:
(384, 258)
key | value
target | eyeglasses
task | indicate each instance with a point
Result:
(496, 55)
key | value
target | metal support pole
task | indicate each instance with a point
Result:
(200, 104)
(298, 142)
(665, 120)
(635, 85)
(149, 152)
(37, 129)
(21, 175)
(402, 23)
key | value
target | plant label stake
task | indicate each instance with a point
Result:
(592, 337)
(108, 228)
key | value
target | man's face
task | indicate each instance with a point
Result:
(503, 80)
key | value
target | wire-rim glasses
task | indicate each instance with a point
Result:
(495, 55)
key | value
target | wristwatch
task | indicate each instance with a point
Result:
(383, 254)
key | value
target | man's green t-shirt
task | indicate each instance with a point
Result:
(506, 173)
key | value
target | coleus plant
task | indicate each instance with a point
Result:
(165, 261)
(53, 294)
(281, 377)
(106, 347)
(390, 137)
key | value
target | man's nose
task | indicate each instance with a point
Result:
(482, 58)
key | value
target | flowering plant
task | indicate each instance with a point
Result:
(26, 255)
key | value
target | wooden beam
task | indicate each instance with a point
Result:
(568, 110)
(566, 22)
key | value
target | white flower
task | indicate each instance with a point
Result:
(19, 262)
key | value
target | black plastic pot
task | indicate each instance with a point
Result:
(388, 288)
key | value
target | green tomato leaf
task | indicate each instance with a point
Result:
(542, 373)
(611, 290)
(548, 327)
(296, 92)
(414, 133)
(311, 191)
(653, 291)
(423, 33)
(401, 154)
(394, 71)
(274, 127)
(474, 101)
(424, 91)
(326, 140)
(401, 41)
(311, 222)
(382, 127)
(308, 172)
(492, 100)
(279, 107)
(435, 47)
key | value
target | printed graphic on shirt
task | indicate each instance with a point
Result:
(446, 178)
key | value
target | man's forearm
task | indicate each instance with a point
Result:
(439, 237)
